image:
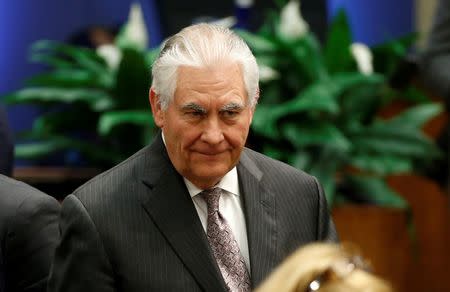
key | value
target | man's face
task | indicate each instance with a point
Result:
(207, 123)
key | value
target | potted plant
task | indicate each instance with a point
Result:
(319, 107)
(93, 100)
(319, 111)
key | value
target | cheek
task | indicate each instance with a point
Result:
(188, 136)
(237, 135)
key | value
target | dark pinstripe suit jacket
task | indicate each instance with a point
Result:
(28, 236)
(135, 228)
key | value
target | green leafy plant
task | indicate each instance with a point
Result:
(89, 104)
(319, 108)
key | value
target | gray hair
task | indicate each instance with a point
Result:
(202, 45)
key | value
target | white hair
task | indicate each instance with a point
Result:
(202, 45)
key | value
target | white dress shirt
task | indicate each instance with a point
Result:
(230, 207)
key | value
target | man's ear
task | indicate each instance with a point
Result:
(158, 114)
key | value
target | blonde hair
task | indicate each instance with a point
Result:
(315, 262)
(202, 45)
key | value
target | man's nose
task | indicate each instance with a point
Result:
(212, 133)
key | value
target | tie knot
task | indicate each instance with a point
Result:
(211, 197)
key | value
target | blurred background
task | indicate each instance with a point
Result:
(75, 76)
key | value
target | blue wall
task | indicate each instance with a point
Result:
(22, 22)
(374, 21)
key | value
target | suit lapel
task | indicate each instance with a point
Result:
(261, 220)
(170, 207)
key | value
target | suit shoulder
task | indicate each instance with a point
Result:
(20, 200)
(14, 193)
(108, 182)
(276, 175)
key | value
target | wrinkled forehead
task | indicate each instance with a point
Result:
(218, 80)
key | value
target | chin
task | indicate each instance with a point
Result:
(211, 174)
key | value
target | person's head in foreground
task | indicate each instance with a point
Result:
(204, 90)
(324, 267)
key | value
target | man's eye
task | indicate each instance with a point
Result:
(230, 114)
(194, 113)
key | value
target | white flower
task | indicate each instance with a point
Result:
(227, 22)
(292, 25)
(266, 73)
(111, 54)
(363, 57)
(244, 3)
(135, 28)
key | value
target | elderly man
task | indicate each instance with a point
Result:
(195, 210)
(28, 236)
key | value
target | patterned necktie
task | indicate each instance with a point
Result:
(224, 246)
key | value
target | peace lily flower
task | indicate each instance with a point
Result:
(111, 54)
(227, 22)
(266, 73)
(135, 30)
(363, 57)
(292, 25)
(244, 3)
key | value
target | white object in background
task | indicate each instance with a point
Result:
(135, 28)
(292, 25)
(267, 73)
(244, 3)
(363, 57)
(111, 54)
(227, 22)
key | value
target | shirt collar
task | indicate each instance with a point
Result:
(228, 183)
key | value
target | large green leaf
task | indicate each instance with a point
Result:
(300, 159)
(348, 80)
(151, 56)
(337, 49)
(381, 164)
(388, 55)
(415, 117)
(132, 81)
(359, 106)
(60, 56)
(98, 100)
(304, 53)
(83, 57)
(413, 94)
(264, 123)
(274, 152)
(52, 144)
(377, 191)
(404, 141)
(316, 98)
(301, 135)
(325, 167)
(108, 121)
(70, 78)
(36, 150)
(52, 61)
(270, 60)
(258, 43)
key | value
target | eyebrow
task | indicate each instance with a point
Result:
(232, 107)
(193, 107)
